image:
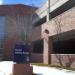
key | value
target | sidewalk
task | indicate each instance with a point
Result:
(38, 70)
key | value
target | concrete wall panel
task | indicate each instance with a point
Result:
(67, 23)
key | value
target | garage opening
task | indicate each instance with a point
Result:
(64, 47)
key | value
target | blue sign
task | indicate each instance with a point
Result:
(21, 54)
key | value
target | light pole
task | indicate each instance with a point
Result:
(48, 11)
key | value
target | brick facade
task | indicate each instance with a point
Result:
(18, 20)
(67, 20)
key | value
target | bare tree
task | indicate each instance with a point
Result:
(64, 60)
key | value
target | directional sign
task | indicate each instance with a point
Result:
(21, 54)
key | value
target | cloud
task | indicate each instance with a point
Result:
(1, 2)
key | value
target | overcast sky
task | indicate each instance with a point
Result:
(26, 2)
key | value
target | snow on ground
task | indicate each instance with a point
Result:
(51, 71)
(6, 67)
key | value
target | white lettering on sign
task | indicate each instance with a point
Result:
(19, 52)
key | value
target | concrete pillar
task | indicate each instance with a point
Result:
(47, 50)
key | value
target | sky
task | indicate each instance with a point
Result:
(36, 3)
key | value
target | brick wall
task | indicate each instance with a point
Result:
(67, 20)
(36, 58)
(17, 22)
(64, 58)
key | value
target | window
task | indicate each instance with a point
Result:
(38, 46)
(2, 32)
(41, 21)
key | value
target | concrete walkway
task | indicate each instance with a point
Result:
(38, 70)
